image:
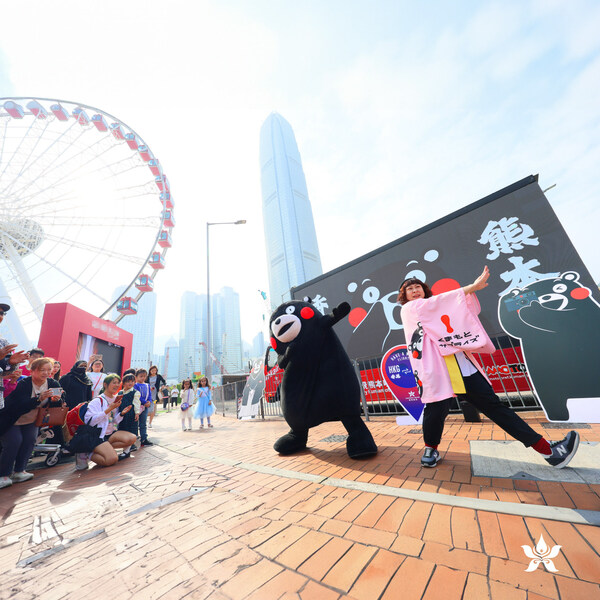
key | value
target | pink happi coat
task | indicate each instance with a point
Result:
(439, 326)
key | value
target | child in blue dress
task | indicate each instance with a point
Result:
(204, 406)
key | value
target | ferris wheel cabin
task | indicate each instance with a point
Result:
(157, 261)
(145, 153)
(169, 220)
(81, 116)
(117, 131)
(166, 199)
(162, 183)
(145, 283)
(127, 306)
(59, 112)
(100, 123)
(132, 141)
(164, 240)
(37, 110)
(14, 110)
(154, 166)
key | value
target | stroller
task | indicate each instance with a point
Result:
(54, 451)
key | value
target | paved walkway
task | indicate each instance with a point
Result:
(216, 513)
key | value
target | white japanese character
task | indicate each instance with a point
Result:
(523, 274)
(506, 235)
(320, 303)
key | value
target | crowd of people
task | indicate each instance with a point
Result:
(104, 416)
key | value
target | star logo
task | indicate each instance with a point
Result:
(541, 554)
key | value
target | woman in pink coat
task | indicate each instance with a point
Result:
(441, 333)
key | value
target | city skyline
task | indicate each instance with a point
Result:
(291, 241)
(225, 329)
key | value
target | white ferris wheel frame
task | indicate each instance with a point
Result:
(79, 114)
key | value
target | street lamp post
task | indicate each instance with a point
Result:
(208, 321)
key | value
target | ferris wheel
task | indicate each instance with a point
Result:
(84, 207)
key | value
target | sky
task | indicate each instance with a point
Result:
(403, 112)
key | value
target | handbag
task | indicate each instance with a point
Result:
(49, 416)
(184, 406)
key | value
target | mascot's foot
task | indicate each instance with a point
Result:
(361, 446)
(291, 442)
(360, 442)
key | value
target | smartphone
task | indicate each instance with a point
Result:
(56, 391)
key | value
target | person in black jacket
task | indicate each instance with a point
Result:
(77, 385)
(18, 431)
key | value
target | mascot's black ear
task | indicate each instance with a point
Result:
(307, 299)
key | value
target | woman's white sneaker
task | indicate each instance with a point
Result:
(21, 476)
(5, 482)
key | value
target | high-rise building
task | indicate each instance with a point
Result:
(258, 345)
(292, 249)
(170, 362)
(225, 330)
(141, 325)
(192, 331)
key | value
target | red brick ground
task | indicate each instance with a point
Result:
(267, 536)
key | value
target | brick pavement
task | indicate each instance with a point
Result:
(238, 521)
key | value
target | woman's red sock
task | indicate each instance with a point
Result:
(543, 447)
(430, 446)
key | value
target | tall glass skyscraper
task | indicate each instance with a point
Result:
(292, 249)
(225, 330)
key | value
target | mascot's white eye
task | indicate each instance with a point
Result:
(290, 310)
(371, 295)
(559, 288)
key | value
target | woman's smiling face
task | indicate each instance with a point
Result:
(414, 291)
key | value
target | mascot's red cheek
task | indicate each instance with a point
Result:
(580, 293)
(307, 313)
(273, 343)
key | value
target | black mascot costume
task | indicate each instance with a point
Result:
(319, 382)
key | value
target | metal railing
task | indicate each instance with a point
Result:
(505, 369)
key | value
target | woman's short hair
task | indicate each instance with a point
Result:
(412, 281)
(38, 363)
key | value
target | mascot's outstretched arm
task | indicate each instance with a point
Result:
(339, 312)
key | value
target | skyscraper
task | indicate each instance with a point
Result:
(192, 331)
(170, 362)
(292, 249)
(226, 332)
(141, 326)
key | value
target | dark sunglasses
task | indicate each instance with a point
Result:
(2, 313)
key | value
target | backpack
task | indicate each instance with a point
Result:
(75, 417)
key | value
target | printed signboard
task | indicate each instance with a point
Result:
(533, 265)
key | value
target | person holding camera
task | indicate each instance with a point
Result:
(104, 413)
(18, 430)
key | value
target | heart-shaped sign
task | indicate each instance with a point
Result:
(398, 375)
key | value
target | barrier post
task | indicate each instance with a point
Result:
(362, 392)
